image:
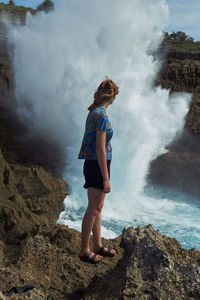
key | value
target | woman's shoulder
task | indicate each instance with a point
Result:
(99, 111)
(96, 110)
(93, 117)
(95, 113)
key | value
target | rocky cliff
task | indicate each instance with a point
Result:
(14, 13)
(179, 168)
(180, 71)
(148, 265)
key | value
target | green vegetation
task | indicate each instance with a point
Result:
(181, 40)
(192, 46)
(12, 7)
(178, 36)
(46, 6)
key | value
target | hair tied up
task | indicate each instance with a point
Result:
(106, 90)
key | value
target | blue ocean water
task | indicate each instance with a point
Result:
(173, 213)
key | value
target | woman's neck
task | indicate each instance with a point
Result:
(105, 106)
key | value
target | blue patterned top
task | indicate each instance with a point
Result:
(97, 119)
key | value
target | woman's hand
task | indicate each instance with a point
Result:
(106, 185)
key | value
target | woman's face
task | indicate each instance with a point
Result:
(112, 99)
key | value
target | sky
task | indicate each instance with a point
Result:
(184, 15)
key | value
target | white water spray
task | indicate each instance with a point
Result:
(59, 61)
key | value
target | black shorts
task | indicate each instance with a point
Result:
(92, 173)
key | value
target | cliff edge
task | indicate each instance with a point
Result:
(179, 168)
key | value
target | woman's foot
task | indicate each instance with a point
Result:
(105, 251)
(90, 257)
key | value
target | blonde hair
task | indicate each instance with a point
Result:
(105, 91)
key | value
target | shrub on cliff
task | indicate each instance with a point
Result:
(11, 2)
(178, 36)
(46, 6)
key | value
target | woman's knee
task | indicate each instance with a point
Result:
(95, 209)
(96, 200)
(99, 207)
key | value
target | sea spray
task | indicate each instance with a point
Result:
(59, 60)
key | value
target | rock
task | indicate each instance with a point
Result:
(2, 297)
(50, 262)
(179, 168)
(29, 196)
(180, 72)
(14, 14)
(148, 266)
(158, 267)
(35, 294)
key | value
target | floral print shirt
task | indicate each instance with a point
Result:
(97, 119)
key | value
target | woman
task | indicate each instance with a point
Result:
(97, 151)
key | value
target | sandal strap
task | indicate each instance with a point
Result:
(88, 254)
(109, 250)
(93, 257)
(103, 251)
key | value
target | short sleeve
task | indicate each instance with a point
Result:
(101, 123)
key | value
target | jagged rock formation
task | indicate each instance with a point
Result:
(180, 167)
(180, 70)
(29, 196)
(148, 266)
(158, 268)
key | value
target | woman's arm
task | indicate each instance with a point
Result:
(101, 157)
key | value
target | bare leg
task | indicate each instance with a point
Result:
(95, 198)
(97, 235)
(96, 230)
(87, 224)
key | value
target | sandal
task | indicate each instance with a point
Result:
(106, 253)
(86, 257)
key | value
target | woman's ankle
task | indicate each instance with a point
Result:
(97, 247)
(84, 251)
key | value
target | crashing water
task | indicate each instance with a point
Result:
(60, 59)
(172, 213)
